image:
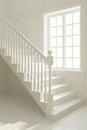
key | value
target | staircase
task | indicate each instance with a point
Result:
(34, 70)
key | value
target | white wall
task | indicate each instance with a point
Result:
(4, 7)
(28, 16)
(4, 81)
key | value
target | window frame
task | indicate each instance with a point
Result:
(46, 34)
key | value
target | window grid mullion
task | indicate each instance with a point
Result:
(56, 41)
(64, 41)
(72, 40)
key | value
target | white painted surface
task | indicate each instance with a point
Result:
(24, 7)
(4, 84)
(4, 7)
(32, 26)
(30, 19)
(15, 85)
(20, 113)
(18, 7)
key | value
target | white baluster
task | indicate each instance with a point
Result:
(21, 47)
(49, 97)
(38, 72)
(34, 71)
(25, 61)
(1, 32)
(16, 42)
(28, 62)
(6, 39)
(23, 54)
(12, 46)
(11, 43)
(45, 83)
(41, 74)
(19, 53)
(31, 64)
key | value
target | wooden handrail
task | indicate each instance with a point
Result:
(24, 37)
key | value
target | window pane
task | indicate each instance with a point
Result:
(68, 30)
(76, 29)
(68, 52)
(68, 19)
(68, 41)
(59, 31)
(53, 51)
(53, 32)
(54, 62)
(53, 21)
(76, 52)
(64, 39)
(59, 52)
(76, 40)
(76, 63)
(68, 63)
(76, 17)
(60, 62)
(59, 41)
(59, 20)
(53, 42)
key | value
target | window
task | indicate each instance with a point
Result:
(63, 38)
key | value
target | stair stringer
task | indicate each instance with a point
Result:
(35, 95)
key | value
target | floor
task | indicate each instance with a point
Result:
(21, 113)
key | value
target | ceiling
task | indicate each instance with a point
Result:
(17, 7)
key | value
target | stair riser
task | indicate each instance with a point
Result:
(36, 95)
(59, 90)
(2, 52)
(36, 73)
(64, 99)
(21, 76)
(8, 58)
(65, 112)
(14, 67)
(55, 81)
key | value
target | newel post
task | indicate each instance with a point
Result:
(50, 63)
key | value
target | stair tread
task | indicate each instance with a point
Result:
(65, 106)
(58, 86)
(61, 95)
(53, 77)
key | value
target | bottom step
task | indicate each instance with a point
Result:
(61, 110)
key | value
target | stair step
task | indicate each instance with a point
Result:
(14, 67)
(21, 75)
(55, 80)
(59, 88)
(63, 97)
(8, 58)
(2, 51)
(63, 109)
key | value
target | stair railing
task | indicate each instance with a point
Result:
(29, 59)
